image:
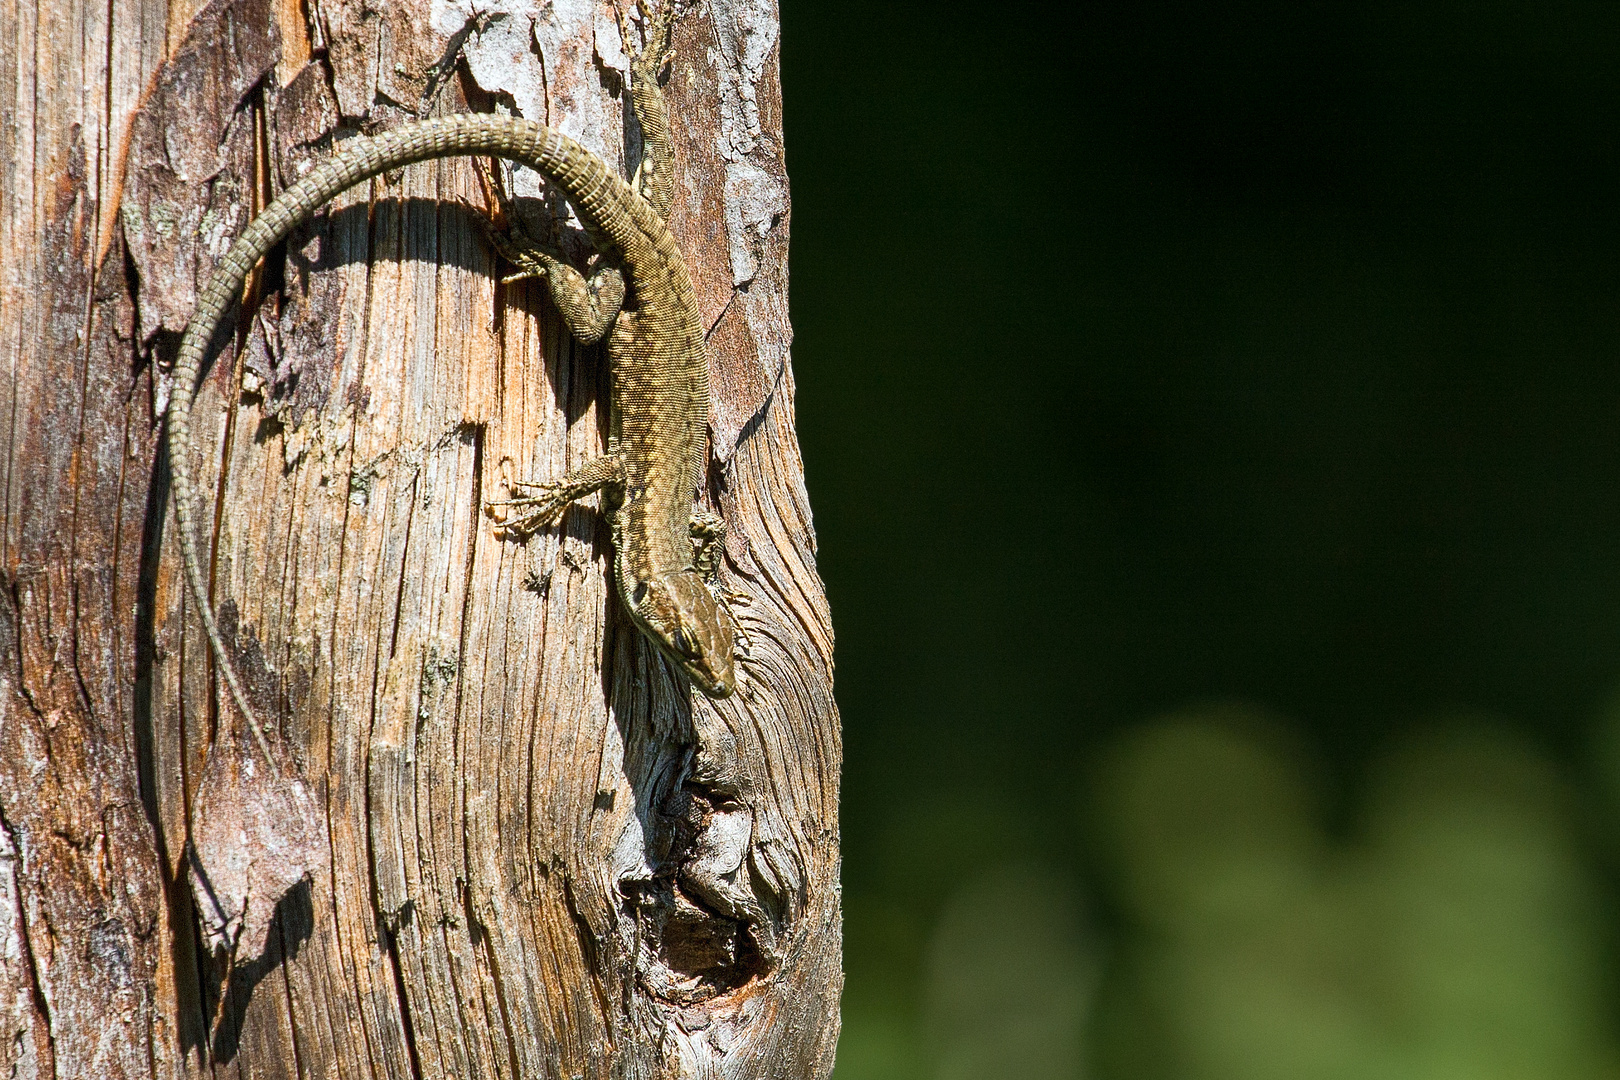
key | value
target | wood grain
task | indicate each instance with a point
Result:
(543, 857)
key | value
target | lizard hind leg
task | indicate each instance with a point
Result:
(588, 305)
(657, 31)
(546, 500)
(654, 177)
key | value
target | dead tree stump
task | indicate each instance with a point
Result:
(520, 846)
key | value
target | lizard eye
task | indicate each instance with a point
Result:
(683, 643)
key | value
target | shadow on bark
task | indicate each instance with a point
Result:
(294, 922)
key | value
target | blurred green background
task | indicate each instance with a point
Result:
(1212, 418)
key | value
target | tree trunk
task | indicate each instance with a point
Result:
(517, 845)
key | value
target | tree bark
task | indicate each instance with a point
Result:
(516, 844)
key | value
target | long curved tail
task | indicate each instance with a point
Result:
(621, 214)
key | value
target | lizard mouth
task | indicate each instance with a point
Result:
(712, 685)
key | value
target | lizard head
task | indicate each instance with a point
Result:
(684, 620)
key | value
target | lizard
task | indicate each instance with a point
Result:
(640, 299)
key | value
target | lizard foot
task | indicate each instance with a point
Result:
(535, 511)
(708, 544)
(588, 304)
(656, 52)
(531, 256)
(708, 532)
(728, 601)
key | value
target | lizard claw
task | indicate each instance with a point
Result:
(626, 35)
(530, 257)
(536, 511)
(728, 600)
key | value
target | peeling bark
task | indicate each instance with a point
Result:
(524, 847)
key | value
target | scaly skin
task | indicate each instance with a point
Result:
(660, 404)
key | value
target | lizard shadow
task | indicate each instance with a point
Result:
(191, 1017)
(207, 986)
(211, 994)
(302, 368)
(292, 926)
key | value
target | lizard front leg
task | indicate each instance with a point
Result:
(708, 533)
(550, 498)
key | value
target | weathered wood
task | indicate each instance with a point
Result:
(539, 857)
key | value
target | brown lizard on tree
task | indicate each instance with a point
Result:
(666, 556)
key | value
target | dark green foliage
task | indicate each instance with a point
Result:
(1170, 352)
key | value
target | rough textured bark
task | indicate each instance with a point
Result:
(537, 855)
